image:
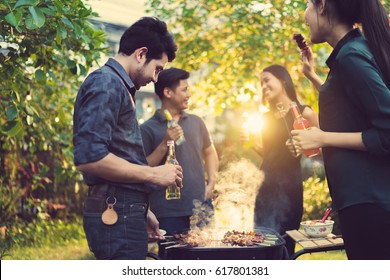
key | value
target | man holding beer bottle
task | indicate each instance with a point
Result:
(172, 88)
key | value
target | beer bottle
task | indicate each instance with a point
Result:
(171, 192)
(301, 123)
(172, 122)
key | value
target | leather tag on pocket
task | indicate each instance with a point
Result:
(109, 217)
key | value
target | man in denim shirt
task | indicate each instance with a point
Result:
(108, 148)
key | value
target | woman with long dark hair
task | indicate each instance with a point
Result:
(279, 203)
(354, 110)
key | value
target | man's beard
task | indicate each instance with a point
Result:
(139, 79)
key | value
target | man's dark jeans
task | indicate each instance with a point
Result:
(127, 238)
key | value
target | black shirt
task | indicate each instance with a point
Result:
(354, 98)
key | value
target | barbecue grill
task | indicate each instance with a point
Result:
(271, 249)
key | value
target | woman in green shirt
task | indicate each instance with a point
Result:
(354, 113)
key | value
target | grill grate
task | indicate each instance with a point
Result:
(271, 248)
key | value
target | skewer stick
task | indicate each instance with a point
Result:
(271, 238)
(262, 244)
(176, 246)
(281, 110)
(168, 242)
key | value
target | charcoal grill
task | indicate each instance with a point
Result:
(216, 250)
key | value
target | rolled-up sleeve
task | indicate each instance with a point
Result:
(371, 95)
(96, 113)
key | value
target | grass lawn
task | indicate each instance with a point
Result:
(331, 255)
(75, 250)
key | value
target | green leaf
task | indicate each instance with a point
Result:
(22, 3)
(30, 22)
(12, 128)
(58, 36)
(17, 96)
(72, 66)
(67, 22)
(92, 26)
(59, 6)
(18, 29)
(77, 29)
(14, 18)
(53, 76)
(83, 71)
(63, 32)
(85, 39)
(38, 16)
(12, 113)
(29, 110)
(40, 75)
(49, 11)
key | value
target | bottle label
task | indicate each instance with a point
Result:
(171, 192)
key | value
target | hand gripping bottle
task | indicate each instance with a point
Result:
(301, 123)
(172, 122)
(171, 192)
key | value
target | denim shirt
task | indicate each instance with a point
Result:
(105, 122)
(355, 98)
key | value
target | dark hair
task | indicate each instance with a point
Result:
(152, 33)
(375, 24)
(284, 77)
(169, 78)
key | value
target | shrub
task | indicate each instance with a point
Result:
(40, 233)
(46, 49)
(9, 200)
(43, 232)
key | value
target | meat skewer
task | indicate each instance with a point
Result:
(301, 42)
(243, 238)
(187, 239)
(233, 238)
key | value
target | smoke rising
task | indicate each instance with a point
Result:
(235, 195)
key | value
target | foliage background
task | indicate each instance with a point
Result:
(228, 42)
(48, 46)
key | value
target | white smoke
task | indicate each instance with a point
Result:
(235, 195)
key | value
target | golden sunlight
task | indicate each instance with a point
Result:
(253, 122)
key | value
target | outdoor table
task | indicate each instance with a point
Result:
(309, 244)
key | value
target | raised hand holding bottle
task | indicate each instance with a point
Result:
(172, 122)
